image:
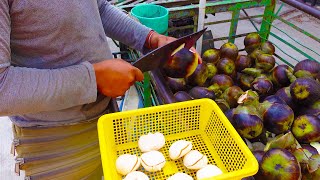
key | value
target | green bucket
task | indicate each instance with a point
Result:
(153, 16)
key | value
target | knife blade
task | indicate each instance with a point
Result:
(158, 57)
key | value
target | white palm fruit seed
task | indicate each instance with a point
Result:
(151, 142)
(127, 163)
(153, 161)
(195, 160)
(179, 148)
(208, 171)
(136, 175)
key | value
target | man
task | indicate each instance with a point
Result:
(57, 75)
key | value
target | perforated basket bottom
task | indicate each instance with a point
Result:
(198, 142)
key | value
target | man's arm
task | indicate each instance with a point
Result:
(29, 90)
(119, 26)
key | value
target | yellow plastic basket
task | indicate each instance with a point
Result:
(200, 121)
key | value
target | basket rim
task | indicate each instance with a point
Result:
(252, 166)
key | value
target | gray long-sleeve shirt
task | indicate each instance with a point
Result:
(46, 53)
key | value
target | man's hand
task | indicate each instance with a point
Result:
(158, 40)
(115, 76)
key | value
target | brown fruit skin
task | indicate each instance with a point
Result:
(306, 129)
(284, 94)
(258, 155)
(182, 64)
(176, 84)
(229, 114)
(308, 65)
(181, 96)
(243, 62)
(305, 91)
(255, 54)
(279, 76)
(293, 172)
(229, 50)
(201, 92)
(247, 122)
(222, 80)
(251, 42)
(277, 118)
(313, 109)
(311, 176)
(265, 62)
(212, 70)
(231, 95)
(211, 56)
(199, 76)
(252, 38)
(223, 105)
(274, 99)
(245, 81)
(268, 48)
(262, 85)
(226, 66)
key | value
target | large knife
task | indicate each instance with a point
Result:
(158, 57)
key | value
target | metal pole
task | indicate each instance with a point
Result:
(304, 7)
(202, 12)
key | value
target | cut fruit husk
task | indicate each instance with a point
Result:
(285, 141)
(249, 97)
(316, 145)
(249, 144)
(178, 49)
(314, 163)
